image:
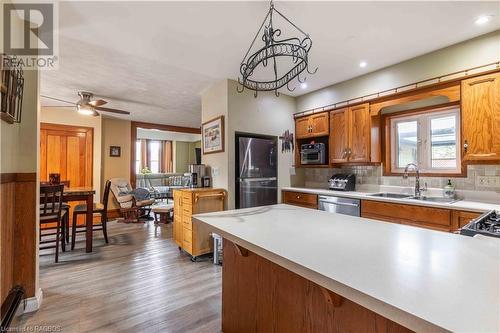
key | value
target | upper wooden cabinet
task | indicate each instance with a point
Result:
(481, 118)
(339, 139)
(351, 135)
(312, 126)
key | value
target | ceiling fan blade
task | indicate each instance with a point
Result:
(97, 102)
(58, 106)
(57, 99)
(112, 110)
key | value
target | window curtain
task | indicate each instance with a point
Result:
(144, 154)
(166, 163)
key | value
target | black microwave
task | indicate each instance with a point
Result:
(313, 153)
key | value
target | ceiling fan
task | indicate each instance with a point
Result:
(87, 105)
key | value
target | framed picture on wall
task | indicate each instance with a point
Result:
(212, 133)
(115, 151)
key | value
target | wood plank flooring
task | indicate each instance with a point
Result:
(139, 282)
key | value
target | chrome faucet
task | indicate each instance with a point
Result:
(418, 190)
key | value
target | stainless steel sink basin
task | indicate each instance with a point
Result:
(391, 195)
(434, 199)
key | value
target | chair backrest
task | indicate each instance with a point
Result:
(119, 185)
(51, 199)
(105, 196)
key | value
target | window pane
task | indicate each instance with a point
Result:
(155, 157)
(138, 156)
(406, 142)
(444, 142)
(155, 166)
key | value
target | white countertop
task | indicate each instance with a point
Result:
(425, 280)
(465, 205)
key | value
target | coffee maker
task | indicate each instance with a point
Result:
(197, 172)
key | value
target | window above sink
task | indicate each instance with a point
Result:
(429, 138)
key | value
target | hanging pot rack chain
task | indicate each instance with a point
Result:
(293, 47)
(459, 75)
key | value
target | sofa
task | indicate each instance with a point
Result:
(160, 185)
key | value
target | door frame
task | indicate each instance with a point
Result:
(89, 164)
(133, 138)
(238, 135)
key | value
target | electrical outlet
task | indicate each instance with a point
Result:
(488, 181)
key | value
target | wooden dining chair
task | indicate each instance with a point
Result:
(99, 208)
(51, 211)
(66, 207)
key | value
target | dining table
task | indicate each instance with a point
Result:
(83, 194)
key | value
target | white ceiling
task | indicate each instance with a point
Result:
(155, 58)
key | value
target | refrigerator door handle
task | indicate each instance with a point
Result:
(241, 180)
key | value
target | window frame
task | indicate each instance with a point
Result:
(427, 113)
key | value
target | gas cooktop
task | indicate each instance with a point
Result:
(487, 224)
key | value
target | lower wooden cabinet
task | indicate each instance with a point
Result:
(441, 219)
(261, 296)
(306, 200)
(195, 238)
(461, 218)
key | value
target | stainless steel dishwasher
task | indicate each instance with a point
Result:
(339, 205)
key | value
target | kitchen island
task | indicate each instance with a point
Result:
(294, 269)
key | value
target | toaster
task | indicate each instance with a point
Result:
(342, 182)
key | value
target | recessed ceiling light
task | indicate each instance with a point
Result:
(363, 64)
(483, 19)
(303, 85)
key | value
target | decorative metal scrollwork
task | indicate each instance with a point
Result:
(295, 48)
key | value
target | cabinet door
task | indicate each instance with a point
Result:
(481, 118)
(178, 227)
(461, 218)
(359, 133)
(419, 216)
(338, 137)
(319, 124)
(302, 128)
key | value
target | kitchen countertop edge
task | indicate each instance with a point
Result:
(463, 205)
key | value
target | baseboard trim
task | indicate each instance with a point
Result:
(32, 304)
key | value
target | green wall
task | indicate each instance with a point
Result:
(185, 154)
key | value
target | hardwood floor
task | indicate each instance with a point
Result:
(140, 282)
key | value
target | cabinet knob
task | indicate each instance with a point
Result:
(298, 197)
(466, 145)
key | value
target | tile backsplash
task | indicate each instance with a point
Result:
(372, 175)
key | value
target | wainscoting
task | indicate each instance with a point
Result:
(18, 232)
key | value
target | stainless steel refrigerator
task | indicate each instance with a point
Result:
(256, 170)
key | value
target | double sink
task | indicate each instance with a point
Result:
(407, 196)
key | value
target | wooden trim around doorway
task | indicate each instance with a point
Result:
(133, 138)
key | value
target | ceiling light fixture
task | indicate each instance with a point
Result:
(363, 64)
(303, 85)
(483, 19)
(294, 48)
(85, 109)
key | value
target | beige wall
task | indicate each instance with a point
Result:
(213, 104)
(266, 115)
(115, 132)
(19, 151)
(475, 52)
(69, 116)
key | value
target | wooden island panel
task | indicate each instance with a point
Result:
(261, 296)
